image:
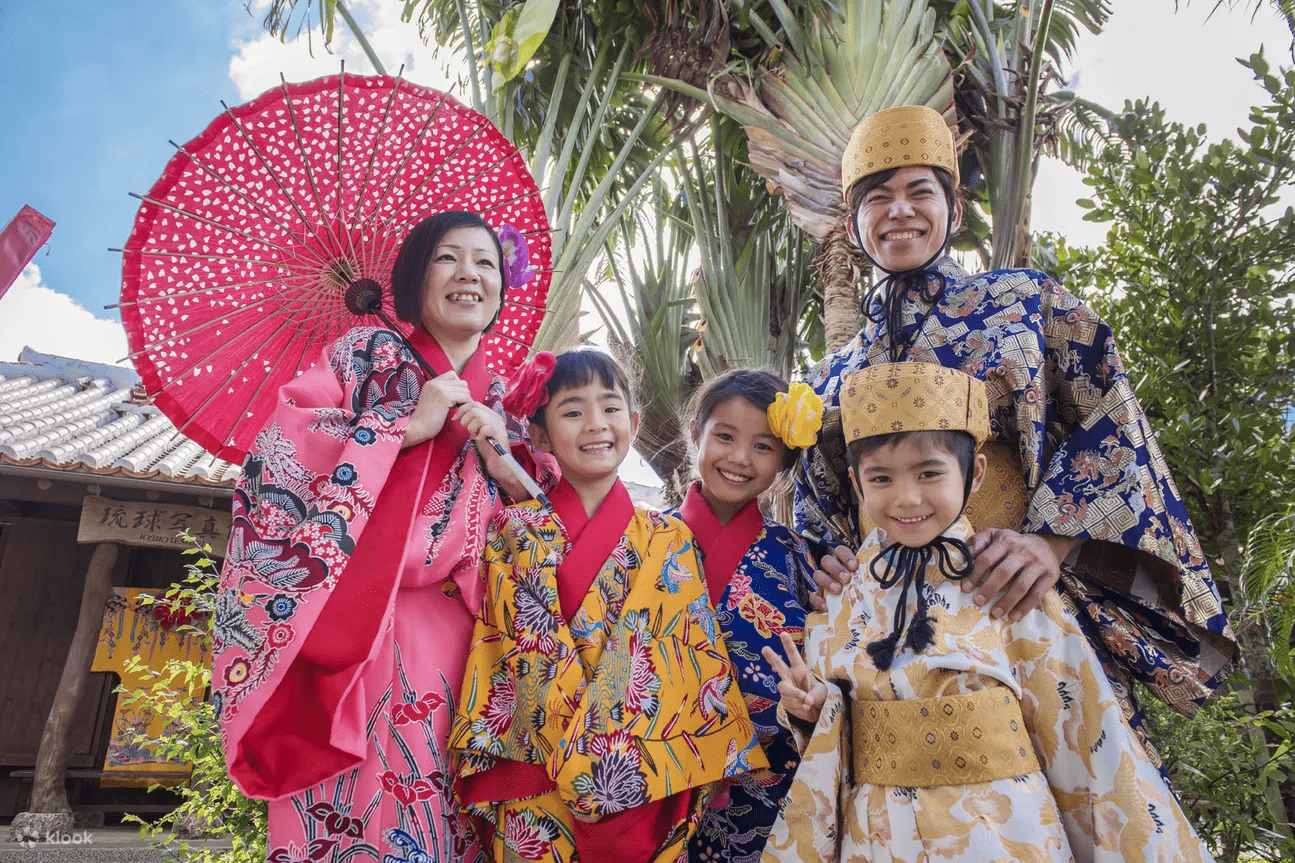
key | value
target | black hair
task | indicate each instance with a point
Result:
(958, 444)
(760, 387)
(864, 185)
(579, 367)
(409, 273)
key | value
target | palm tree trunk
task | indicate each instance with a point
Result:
(840, 267)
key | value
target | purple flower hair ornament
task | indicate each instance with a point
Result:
(517, 256)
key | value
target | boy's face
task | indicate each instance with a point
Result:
(912, 489)
(588, 429)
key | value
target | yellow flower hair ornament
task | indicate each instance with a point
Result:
(796, 415)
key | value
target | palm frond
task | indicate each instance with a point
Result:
(652, 318)
(752, 279)
(1266, 588)
(842, 66)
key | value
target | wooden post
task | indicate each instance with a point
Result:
(49, 789)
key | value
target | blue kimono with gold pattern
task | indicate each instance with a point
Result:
(768, 594)
(1061, 402)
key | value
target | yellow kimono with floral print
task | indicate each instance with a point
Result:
(1097, 796)
(633, 701)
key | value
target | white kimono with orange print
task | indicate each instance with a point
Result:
(1097, 797)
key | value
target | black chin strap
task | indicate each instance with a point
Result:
(907, 565)
(887, 296)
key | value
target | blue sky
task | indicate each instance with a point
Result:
(90, 95)
(91, 92)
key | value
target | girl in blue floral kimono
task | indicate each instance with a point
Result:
(746, 429)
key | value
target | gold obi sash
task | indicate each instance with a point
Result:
(1001, 499)
(954, 740)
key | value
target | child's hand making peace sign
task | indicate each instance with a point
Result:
(802, 693)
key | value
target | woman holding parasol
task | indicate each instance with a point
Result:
(1077, 493)
(346, 599)
(354, 565)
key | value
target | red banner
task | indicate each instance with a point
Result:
(21, 238)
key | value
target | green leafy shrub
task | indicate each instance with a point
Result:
(212, 805)
(1221, 768)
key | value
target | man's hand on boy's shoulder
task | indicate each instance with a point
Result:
(834, 572)
(1030, 562)
(1023, 566)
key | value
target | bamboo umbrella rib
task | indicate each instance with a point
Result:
(383, 252)
(449, 159)
(348, 241)
(180, 211)
(147, 301)
(174, 337)
(218, 390)
(534, 193)
(265, 164)
(373, 150)
(178, 376)
(341, 109)
(265, 379)
(237, 192)
(468, 180)
(169, 253)
(323, 219)
(409, 154)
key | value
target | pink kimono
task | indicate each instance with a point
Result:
(339, 647)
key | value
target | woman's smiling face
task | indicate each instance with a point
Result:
(461, 290)
(904, 222)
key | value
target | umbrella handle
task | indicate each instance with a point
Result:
(532, 487)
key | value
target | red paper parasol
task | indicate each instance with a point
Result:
(234, 276)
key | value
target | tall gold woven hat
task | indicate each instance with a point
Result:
(904, 397)
(898, 138)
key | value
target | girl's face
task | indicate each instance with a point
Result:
(738, 457)
(588, 429)
(904, 222)
(911, 490)
(462, 287)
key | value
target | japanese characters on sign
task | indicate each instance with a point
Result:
(152, 524)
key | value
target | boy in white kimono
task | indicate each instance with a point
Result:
(928, 728)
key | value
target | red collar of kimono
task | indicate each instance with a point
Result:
(474, 373)
(592, 540)
(722, 545)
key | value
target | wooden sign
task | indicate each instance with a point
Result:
(157, 525)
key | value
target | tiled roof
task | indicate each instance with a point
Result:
(92, 418)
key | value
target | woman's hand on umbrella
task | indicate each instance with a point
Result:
(485, 425)
(1024, 566)
(837, 569)
(438, 398)
(802, 693)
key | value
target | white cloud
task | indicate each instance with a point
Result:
(256, 65)
(1186, 61)
(35, 316)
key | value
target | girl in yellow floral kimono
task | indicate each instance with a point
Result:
(955, 735)
(599, 712)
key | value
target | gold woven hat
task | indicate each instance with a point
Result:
(898, 138)
(905, 397)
